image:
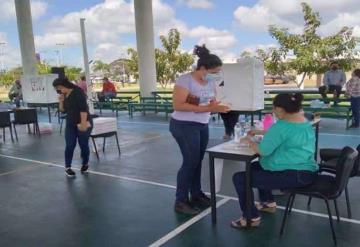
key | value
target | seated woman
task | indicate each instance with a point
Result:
(286, 158)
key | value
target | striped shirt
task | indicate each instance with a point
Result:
(353, 87)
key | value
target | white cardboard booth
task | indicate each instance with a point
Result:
(39, 89)
(243, 85)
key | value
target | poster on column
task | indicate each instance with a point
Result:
(242, 87)
(39, 89)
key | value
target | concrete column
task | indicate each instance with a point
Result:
(145, 46)
(26, 36)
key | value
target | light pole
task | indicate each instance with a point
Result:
(60, 52)
(2, 57)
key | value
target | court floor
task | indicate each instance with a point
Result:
(128, 200)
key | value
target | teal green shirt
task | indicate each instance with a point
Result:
(288, 146)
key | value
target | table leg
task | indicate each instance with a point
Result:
(252, 119)
(316, 140)
(248, 191)
(49, 112)
(212, 188)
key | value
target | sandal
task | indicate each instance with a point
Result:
(242, 223)
(269, 207)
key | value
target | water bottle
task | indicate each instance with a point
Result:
(237, 132)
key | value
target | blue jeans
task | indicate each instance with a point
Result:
(355, 108)
(265, 181)
(109, 95)
(71, 135)
(192, 139)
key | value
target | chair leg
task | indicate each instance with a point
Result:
(11, 133)
(16, 136)
(285, 215)
(309, 201)
(292, 203)
(96, 152)
(348, 202)
(104, 142)
(117, 142)
(331, 222)
(336, 210)
(61, 124)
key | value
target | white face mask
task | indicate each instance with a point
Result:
(214, 77)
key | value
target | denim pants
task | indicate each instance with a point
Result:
(355, 108)
(192, 139)
(265, 181)
(71, 135)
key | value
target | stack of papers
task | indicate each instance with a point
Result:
(104, 125)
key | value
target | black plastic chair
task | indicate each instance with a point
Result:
(326, 187)
(26, 117)
(5, 122)
(329, 157)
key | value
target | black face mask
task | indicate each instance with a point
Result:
(59, 91)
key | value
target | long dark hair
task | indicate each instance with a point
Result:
(64, 82)
(206, 59)
(290, 102)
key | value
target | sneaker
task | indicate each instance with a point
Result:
(201, 201)
(185, 208)
(84, 168)
(69, 172)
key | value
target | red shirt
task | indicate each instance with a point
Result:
(108, 87)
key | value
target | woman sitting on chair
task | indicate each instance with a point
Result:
(286, 158)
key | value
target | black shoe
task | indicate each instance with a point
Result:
(84, 168)
(185, 208)
(201, 201)
(353, 126)
(69, 172)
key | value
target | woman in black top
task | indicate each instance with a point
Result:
(72, 101)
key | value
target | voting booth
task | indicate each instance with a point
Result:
(242, 87)
(39, 89)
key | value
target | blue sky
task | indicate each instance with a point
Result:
(227, 27)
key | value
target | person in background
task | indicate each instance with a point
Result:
(82, 84)
(193, 101)
(72, 101)
(230, 119)
(353, 92)
(333, 81)
(15, 93)
(286, 158)
(109, 90)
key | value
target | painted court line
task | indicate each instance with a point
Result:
(186, 225)
(20, 170)
(174, 187)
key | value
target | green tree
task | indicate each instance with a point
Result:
(312, 52)
(73, 73)
(104, 68)
(169, 60)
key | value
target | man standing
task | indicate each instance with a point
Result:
(334, 80)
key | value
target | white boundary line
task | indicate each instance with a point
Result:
(20, 170)
(187, 224)
(173, 187)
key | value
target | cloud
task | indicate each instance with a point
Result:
(105, 27)
(7, 9)
(109, 52)
(198, 4)
(288, 14)
(9, 56)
